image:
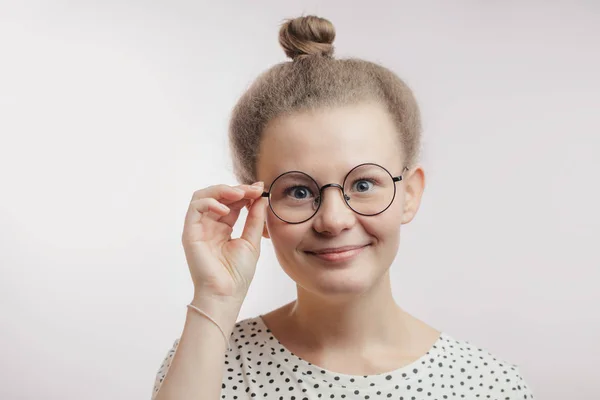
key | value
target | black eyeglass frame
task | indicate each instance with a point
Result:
(346, 197)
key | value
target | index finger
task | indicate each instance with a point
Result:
(220, 192)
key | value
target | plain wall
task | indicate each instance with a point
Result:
(113, 113)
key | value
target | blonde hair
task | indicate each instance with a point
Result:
(315, 79)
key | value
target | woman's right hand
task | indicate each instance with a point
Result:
(222, 267)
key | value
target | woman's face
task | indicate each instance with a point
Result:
(326, 144)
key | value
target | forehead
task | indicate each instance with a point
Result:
(328, 142)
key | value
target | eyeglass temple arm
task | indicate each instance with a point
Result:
(399, 178)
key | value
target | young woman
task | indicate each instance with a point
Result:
(327, 150)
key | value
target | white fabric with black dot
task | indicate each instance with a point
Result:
(258, 366)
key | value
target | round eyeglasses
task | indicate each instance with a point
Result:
(369, 189)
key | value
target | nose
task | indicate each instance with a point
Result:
(334, 215)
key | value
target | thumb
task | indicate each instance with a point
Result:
(255, 221)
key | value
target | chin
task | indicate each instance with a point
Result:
(335, 289)
(338, 282)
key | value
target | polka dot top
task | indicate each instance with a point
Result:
(258, 366)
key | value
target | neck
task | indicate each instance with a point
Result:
(355, 322)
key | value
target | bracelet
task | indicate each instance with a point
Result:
(213, 321)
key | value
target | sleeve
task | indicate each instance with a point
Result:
(519, 389)
(164, 368)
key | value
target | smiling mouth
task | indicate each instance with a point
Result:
(336, 250)
(339, 256)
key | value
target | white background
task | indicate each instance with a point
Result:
(112, 113)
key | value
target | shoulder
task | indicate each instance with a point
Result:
(471, 353)
(249, 331)
(467, 361)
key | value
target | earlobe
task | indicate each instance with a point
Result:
(407, 217)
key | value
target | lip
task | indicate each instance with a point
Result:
(337, 249)
(341, 254)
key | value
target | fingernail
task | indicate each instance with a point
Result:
(259, 183)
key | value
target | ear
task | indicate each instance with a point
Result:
(414, 185)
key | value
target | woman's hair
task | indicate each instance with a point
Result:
(314, 80)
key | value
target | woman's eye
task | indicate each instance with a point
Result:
(299, 192)
(362, 185)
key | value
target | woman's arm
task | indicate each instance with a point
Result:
(193, 369)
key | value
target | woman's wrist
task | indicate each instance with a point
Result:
(224, 311)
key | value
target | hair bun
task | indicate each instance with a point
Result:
(305, 36)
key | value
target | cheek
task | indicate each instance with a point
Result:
(386, 225)
(384, 231)
(283, 235)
